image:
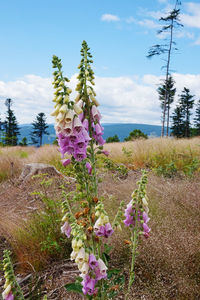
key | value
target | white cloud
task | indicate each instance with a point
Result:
(109, 18)
(130, 20)
(148, 23)
(193, 18)
(197, 42)
(162, 1)
(123, 99)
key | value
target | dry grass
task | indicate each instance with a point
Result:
(152, 152)
(167, 266)
(46, 154)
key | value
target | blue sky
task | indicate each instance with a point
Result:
(119, 34)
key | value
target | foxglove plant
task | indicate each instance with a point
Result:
(11, 287)
(80, 138)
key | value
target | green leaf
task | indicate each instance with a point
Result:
(107, 248)
(74, 287)
(112, 272)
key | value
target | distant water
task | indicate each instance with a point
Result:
(122, 130)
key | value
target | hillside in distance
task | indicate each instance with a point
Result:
(122, 130)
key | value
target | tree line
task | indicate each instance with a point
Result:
(181, 116)
(10, 130)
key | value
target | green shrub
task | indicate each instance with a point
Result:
(112, 139)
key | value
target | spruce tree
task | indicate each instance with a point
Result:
(177, 128)
(197, 118)
(186, 104)
(171, 22)
(39, 129)
(12, 128)
(167, 87)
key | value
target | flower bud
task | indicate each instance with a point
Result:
(66, 99)
(77, 97)
(78, 110)
(63, 108)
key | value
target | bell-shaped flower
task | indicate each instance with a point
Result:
(63, 108)
(89, 167)
(102, 267)
(129, 220)
(63, 150)
(86, 124)
(63, 141)
(145, 217)
(77, 125)
(145, 204)
(79, 243)
(85, 268)
(80, 155)
(95, 113)
(92, 261)
(66, 228)
(67, 129)
(60, 117)
(129, 208)
(77, 108)
(98, 129)
(10, 296)
(86, 135)
(6, 291)
(105, 152)
(73, 255)
(56, 111)
(146, 230)
(69, 116)
(70, 149)
(81, 116)
(94, 100)
(81, 255)
(98, 223)
(108, 230)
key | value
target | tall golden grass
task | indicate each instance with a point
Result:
(152, 152)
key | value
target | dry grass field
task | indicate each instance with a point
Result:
(168, 263)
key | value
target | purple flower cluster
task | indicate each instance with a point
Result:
(97, 128)
(97, 271)
(103, 230)
(74, 141)
(143, 218)
(73, 137)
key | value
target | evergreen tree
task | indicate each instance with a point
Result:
(177, 128)
(186, 104)
(39, 129)
(23, 142)
(171, 22)
(197, 118)
(167, 87)
(113, 139)
(136, 134)
(12, 128)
